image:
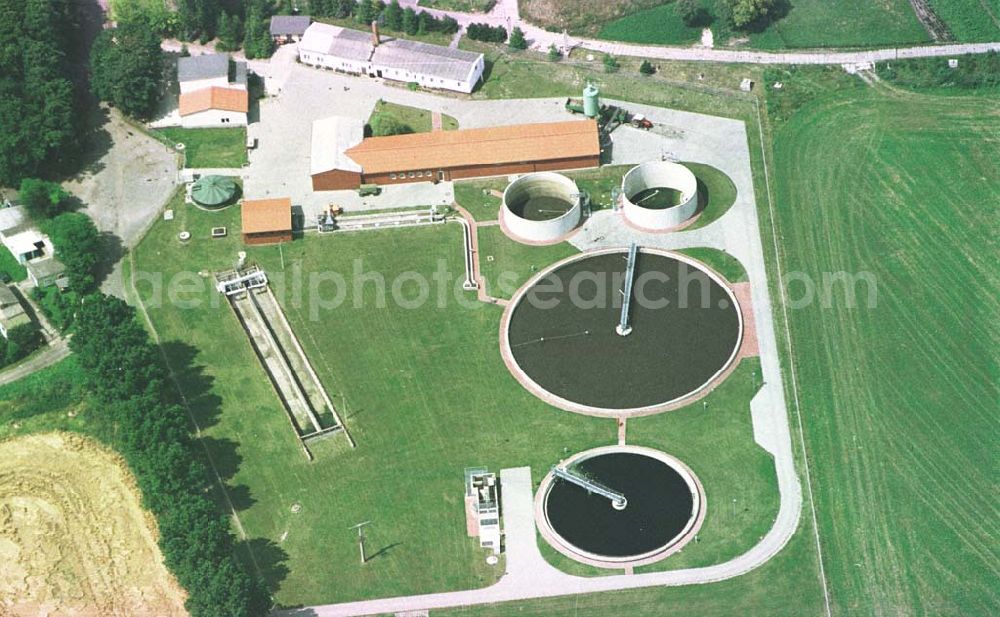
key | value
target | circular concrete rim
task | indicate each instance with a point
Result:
(562, 403)
(678, 542)
(568, 183)
(690, 181)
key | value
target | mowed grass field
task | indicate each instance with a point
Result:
(211, 147)
(808, 23)
(425, 394)
(899, 400)
(970, 20)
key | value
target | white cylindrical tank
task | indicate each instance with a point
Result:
(540, 208)
(659, 195)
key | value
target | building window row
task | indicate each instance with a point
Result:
(413, 174)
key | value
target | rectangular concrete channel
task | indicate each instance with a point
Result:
(283, 361)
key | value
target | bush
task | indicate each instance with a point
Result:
(384, 125)
(646, 68)
(78, 247)
(42, 198)
(517, 41)
(487, 33)
(20, 342)
(611, 64)
(554, 54)
(59, 307)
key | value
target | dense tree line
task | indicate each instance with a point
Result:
(486, 32)
(78, 247)
(19, 343)
(39, 126)
(391, 16)
(125, 374)
(126, 69)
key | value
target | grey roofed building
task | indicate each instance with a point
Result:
(12, 313)
(336, 41)
(205, 66)
(45, 272)
(289, 25)
(425, 59)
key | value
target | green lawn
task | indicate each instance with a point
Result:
(211, 147)
(10, 266)
(425, 394)
(51, 399)
(899, 399)
(506, 264)
(970, 20)
(808, 23)
(417, 119)
(476, 197)
(723, 263)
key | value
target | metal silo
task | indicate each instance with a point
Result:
(591, 101)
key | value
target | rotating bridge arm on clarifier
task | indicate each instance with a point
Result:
(617, 499)
(624, 327)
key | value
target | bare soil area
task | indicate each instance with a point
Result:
(74, 539)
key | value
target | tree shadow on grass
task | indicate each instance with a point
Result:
(205, 404)
(270, 559)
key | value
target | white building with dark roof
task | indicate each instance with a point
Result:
(289, 28)
(353, 51)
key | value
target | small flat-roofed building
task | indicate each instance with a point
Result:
(267, 221)
(21, 237)
(47, 272)
(289, 28)
(362, 53)
(12, 314)
(330, 167)
(454, 155)
(213, 91)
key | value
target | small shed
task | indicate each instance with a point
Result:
(267, 221)
(46, 272)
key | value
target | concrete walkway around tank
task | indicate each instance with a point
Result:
(721, 143)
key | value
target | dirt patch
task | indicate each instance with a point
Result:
(74, 539)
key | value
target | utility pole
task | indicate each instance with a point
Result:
(361, 538)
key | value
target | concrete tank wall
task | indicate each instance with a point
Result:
(660, 174)
(541, 184)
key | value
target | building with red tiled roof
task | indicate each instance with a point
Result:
(213, 91)
(448, 155)
(266, 221)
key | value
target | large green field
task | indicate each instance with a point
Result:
(807, 23)
(970, 20)
(899, 399)
(424, 393)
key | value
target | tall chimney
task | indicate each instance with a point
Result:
(375, 37)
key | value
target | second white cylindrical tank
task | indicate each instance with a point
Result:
(639, 190)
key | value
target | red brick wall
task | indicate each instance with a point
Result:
(336, 180)
(482, 171)
(268, 238)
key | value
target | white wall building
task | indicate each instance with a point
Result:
(353, 51)
(213, 91)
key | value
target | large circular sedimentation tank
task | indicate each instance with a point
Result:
(664, 506)
(540, 208)
(559, 333)
(659, 195)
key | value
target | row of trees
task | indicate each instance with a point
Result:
(391, 15)
(126, 69)
(487, 33)
(39, 123)
(126, 376)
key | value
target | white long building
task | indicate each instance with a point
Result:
(353, 51)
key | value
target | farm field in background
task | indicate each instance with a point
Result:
(808, 23)
(970, 20)
(899, 400)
